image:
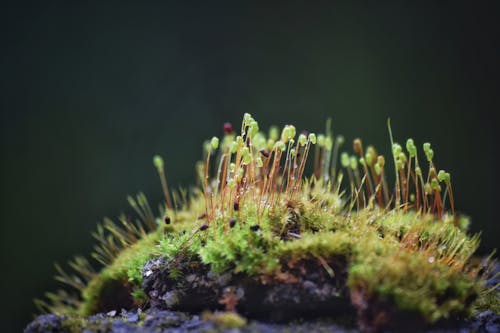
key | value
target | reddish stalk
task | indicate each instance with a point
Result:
(206, 185)
(316, 161)
(404, 183)
(408, 175)
(301, 169)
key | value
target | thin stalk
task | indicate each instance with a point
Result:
(316, 161)
(397, 185)
(164, 187)
(206, 189)
(336, 147)
(408, 182)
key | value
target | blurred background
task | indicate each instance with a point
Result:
(89, 92)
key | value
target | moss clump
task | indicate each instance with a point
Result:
(257, 217)
(225, 320)
(488, 301)
(117, 284)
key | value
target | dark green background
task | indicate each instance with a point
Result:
(90, 92)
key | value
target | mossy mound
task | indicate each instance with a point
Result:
(262, 240)
(385, 263)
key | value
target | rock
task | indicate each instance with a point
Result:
(47, 323)
(306, 290)
(171, 322)
(275, 306)
(197, 290)
(155, 320)
(485, 321)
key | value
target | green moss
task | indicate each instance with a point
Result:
(225, 320)
(314, 245)
(376, 244)
(240, 249)
(414, 284)
(124, 271)
(412, 255)
(418, 263)
(72, 324)
(488, 301)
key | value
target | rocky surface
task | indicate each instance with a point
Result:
(165, 321)
(308, 293)
(303, 291)
(485, 321)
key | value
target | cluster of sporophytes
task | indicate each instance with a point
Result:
(256, 214)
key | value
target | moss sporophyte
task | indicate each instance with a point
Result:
(257, 220)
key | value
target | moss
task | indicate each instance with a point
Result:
(122, 277)
(225, 320)
(240, 249)
(314, 245)
(72, 324)
(139, 296)
(488, 301)
(414, 284)
(409, 254)
(382, 255)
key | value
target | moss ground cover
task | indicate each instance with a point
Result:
(388, 245)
